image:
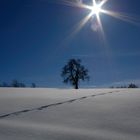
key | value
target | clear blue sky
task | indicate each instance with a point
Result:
(36, 42)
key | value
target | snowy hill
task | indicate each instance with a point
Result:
(54, 114)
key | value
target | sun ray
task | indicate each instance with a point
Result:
(94, 2)
(122, 16)
(80, 25)
(100, 25)
(74, 4)
(103, 2)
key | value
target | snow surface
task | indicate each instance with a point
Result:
(57, 114)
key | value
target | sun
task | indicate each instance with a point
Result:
(96, 9)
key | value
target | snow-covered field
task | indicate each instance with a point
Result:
(54, 114)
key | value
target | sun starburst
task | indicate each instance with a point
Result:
(95, 9)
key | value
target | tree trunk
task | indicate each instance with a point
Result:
(76, 85)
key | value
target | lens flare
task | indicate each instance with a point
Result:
(95, 9)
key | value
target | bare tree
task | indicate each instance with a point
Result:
(132, 86)
(33, 85)
(4, 84)
(16, 84)
(73, 72)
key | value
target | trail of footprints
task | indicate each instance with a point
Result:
(52, 105)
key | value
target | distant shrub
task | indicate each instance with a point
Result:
(15, 83)
(22, 85)
(128, 86)
(4, 84)
(132, 86)
(33, 85)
